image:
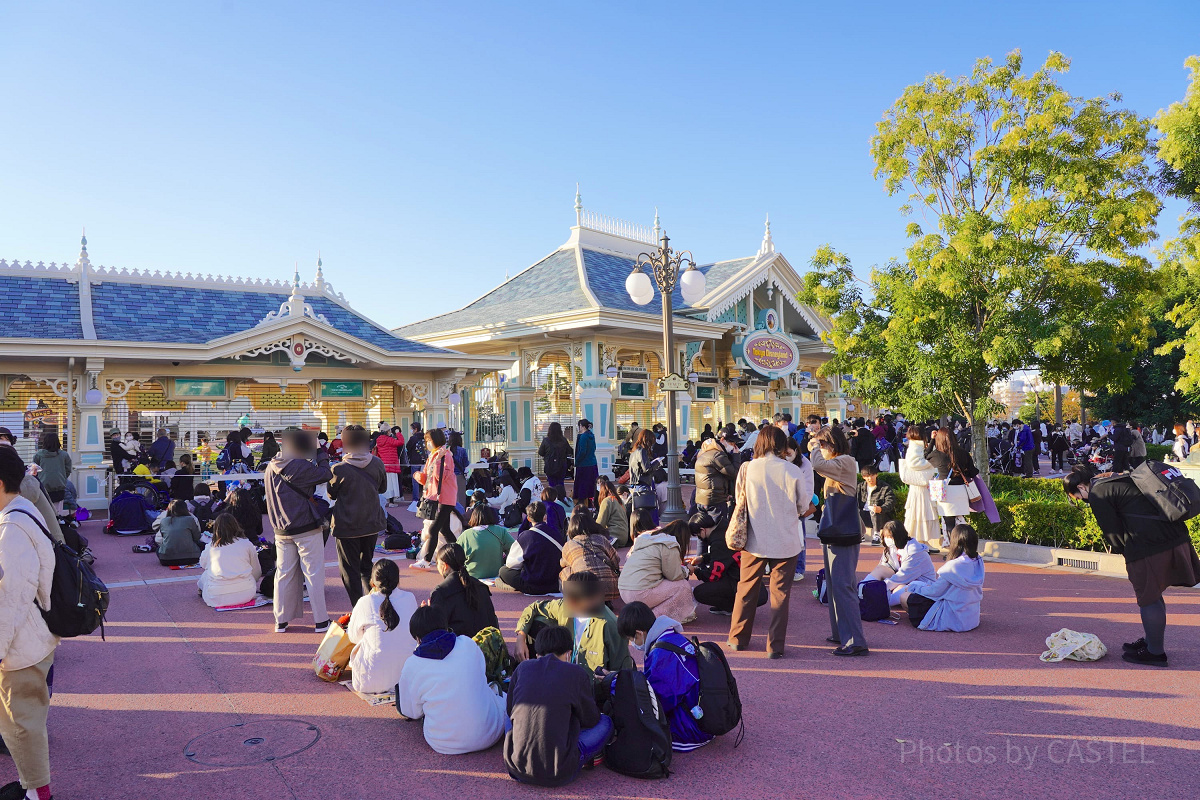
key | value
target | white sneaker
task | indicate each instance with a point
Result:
(420, 564)
(412, 507)
(799, 576)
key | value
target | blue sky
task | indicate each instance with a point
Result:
(426, 149)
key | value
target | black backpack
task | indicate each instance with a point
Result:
(78, 599)
(719, 698)
(641, 743)
(1176, 497)
(512, 515)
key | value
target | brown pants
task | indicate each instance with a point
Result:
(782, 572)
(24, 704)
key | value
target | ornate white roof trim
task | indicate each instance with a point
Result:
(293, 308)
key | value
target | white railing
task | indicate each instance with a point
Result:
(617, 227)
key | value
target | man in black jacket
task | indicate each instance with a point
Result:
(862, 447)
(1122, 440)
(1158, 553)
(876, 502)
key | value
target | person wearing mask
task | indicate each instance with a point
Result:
(55, 469)
(291, 481)
(555, 452)
(243, 505)
(587, 470)
(466, 601)
(183, 482)
(358, 519)
(1025, 445)
(777, 494)
(445, 682)
(876, 502)
(956, 467)
(510, 489)
(862, 445)
(418, 453)
(439, 483)
(379, 629)
(717, 567)
(27, 646)
(236, 452)
(389, 446)
(958, 589)
(33, 491)
(161, 451)
(582, 610)
(231, 566)
(270, 449)
(904, 560)
(557, 729)
(1158, 553)
(654, 572)
(462, 460)
(589, 550)
(715, 476)
(920, 515)
(182, 542)
(485, 544)
(1057, 445)
(611, 513)
(533, 561)
(831, 459)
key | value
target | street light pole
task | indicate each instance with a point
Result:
(674, 509)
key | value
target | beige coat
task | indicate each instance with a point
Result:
(920, 518)
(777, 493)
(27, 569)
(654, 558)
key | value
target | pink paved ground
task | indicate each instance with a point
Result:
(926, 715)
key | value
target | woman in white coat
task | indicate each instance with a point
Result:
(379, 630)
(920, 517)
(231, 566)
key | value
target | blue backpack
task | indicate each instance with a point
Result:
(873, 601)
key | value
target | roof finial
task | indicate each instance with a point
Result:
(296, 277)
(657, 226)
(84, 262)
(578, 206)
(319, 283)
(768, 245)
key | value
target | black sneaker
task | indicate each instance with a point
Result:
(720, 612)
(12, 791)
(1133, 647)
(855, 650)
(322, 627)
(1144, 656)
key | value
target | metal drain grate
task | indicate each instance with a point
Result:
(249, 743)
(1078, 563)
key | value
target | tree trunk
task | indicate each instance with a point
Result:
(979, 445)
(1058, 404)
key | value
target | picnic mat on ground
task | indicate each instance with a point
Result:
(258, 602)
(186, 566)
(387, 698)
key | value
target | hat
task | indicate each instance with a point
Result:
(5, 432)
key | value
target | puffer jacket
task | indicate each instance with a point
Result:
(27, 561)
(388, 449)
(715, 474)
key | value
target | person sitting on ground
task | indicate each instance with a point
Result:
(485, 544)
(876, 502)
(244, 507)
(479, 499)
(231, 566)
(130, 513)
(182, 541)
(466, 601)
(717, 567)
(531, 486)
(378, 628)
(958, 589)
(203, 506)
(509, 492)
(598, 644)
(184, 480)
(533, 561)
(561, 500)
(904, 560)
(588, 550)
(611, 513)
(445, 681)
(654, 571)
(671, 670)
(557, 728)
(556, 517)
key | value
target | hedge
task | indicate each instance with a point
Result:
(1034, 511)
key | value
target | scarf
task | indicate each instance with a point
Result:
(436, 645)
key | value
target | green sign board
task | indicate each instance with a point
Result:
(632, 390)
(200, 387)
(342, 390)
(706, 393)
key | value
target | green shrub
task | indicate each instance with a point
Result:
(1158, 452)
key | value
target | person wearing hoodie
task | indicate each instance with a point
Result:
(671, 670)
(557, 728)
(958, 589)
(654, 572)
(445, 682)
(920, 517)
(26, 644)
(904, 560)
(291, 481)
(831, 459)
(358, 519)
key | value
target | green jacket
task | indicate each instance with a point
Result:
(601, 645)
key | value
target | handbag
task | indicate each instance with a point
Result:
(333, 655)
(839, 519)
(937, 490)
(973, 493)
(427, 508)
(739, 521)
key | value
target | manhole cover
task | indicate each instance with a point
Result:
(249, 743)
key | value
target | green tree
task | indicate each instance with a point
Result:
(1179, 155)
(1038, 204)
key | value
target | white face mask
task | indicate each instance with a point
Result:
(890, 544)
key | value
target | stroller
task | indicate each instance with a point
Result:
(1002, 457)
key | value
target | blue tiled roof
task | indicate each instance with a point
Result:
(606, 275)
(40, 308)
(549, 287)
(140, 312)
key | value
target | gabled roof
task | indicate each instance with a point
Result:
(40, 308)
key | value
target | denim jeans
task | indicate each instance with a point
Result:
(593, 739)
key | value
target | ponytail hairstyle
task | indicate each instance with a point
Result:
(455, 559)
(385, 577)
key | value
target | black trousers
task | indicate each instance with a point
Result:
(721, 594)
(355, 560)
(441, 527)
(1057, 460)
(1120, 461)
(1028, 462)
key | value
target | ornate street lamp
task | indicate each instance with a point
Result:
(669, 268)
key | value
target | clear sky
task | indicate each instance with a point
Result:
(426, 149)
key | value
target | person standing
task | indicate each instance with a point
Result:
(715, 476)
(389, 445)
(555, 450)
(291, 480)
(56, 469)
(1025, 445)
(956, 468)
(270, 449)
(358, 519)
(26, 643)
(439, 484)
(1137, 446)
(161, 451)
(1158, 553)
(586, 468)
(777, 493)
(1122, 441)
(417, 454)
(831, 458)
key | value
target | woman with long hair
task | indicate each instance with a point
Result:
(589, 550)
(555, 452)
(270, 448)
(181, 542)
(56, 469)
(440, 484)
(956, 468)
(244, 507)
(378, 628)
(957, 591)
(654, 572)
(920, 517)
(231, 566)
(610, 512)
(467, 601)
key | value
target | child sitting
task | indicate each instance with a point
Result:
(598, 644)
(671, 669)
(231, 566)
(182, 541)
(904, 560)
(445, 681)
(556, 726)
(379, 630)
(958, 589)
